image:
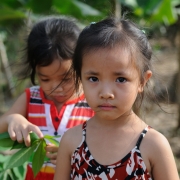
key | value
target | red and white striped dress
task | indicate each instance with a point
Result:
(43, 113)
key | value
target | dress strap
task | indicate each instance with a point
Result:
(84, 125)
(142, 136)
(84, 130)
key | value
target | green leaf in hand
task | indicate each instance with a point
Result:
(52, 140)
(4, 135)
(33, 137)
(17, 145)
(38, 158)
(36, 151)
(6, 143)
(20, 157)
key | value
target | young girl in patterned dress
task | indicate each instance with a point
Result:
(112, 60)
(53, 106)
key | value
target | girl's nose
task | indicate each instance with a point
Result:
(58, 87)
(106, 95)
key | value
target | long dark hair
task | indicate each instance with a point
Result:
(51, 38)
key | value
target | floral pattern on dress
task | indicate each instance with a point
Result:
(131, 167)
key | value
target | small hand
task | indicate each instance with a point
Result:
(51, 152)
(19, 128)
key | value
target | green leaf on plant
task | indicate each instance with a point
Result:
(38, 158)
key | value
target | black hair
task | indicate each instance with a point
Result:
(108, 33)
(49, 39)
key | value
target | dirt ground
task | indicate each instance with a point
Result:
(164, 122)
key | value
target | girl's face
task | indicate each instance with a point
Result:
(54, 81)
(111, 82)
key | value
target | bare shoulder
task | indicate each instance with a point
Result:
(153, 143)
(156, 142)
(69, 142)
(157, 151)
(72, 138)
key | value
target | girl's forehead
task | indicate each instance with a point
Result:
(56, 67)
(117, 55)
(115, 60)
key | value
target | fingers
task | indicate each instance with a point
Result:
(36, 130)
(52, 157)
(31, 128)
(51, 153)
(19, 136)
(53, 162)
(12, 133)
(26, 138)
(51, 148)
(20, 131)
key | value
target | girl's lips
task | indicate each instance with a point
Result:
(106, 107)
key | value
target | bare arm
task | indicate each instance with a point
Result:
(63, 164)
(162, 159)
(16, 124)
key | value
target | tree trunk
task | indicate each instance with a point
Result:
(6, 67)
(116, 8)
(178, 79)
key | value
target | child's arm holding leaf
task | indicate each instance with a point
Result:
(16, 124)
(18, 127)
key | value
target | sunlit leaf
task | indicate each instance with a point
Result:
(38, 158)
(159, 16)
(33, 137)
(52, 140)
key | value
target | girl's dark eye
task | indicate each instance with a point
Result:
(93, 79)
(121, 80)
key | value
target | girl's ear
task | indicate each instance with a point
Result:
(147, 76)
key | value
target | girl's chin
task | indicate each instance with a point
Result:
(60, 98)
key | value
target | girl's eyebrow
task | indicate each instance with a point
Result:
(41, 74)
(114, 73)
(120, 73)
(91, 73)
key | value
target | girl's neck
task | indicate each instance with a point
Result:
(123, 121)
